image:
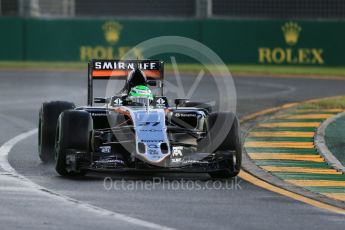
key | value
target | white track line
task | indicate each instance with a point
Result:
(7, 169)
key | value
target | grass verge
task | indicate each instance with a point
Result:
(328, 103)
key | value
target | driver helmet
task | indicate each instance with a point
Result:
(141, 94)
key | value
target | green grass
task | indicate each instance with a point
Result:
(330, 103)
(274, 70)
(193, 68)
(27, 65)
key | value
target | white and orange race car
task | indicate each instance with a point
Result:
(136, 130)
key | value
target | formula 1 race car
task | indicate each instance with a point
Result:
(136, 130)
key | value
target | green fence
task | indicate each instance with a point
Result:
(11, 39)
(235, 41)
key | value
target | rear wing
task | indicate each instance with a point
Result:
(119, 69)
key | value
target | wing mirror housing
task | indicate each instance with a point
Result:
(152, 82)
(180, 102)
(100, 100)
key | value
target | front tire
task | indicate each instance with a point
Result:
(73, 134)
(48, 116)
(231, 143)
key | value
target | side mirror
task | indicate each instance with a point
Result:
(100, 100)
(152, 82)
(180, 101)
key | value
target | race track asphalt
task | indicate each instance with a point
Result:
(175, 204)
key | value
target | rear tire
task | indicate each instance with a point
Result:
(48, 116)
(232, 142)
(73, 133)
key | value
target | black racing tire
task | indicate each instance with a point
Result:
(74, 131)
(200, 105)
(232, 142)
(48, 116)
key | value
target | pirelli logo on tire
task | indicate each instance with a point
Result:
(289, 53)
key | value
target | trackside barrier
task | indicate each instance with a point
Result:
(267, 42)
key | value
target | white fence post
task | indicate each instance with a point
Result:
(71, 8)
(34, 8)
(203, 8)
(209, 9)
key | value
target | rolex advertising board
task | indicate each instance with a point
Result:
(277, 42)
(273, 42)
(82, 40)
(290, 53)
